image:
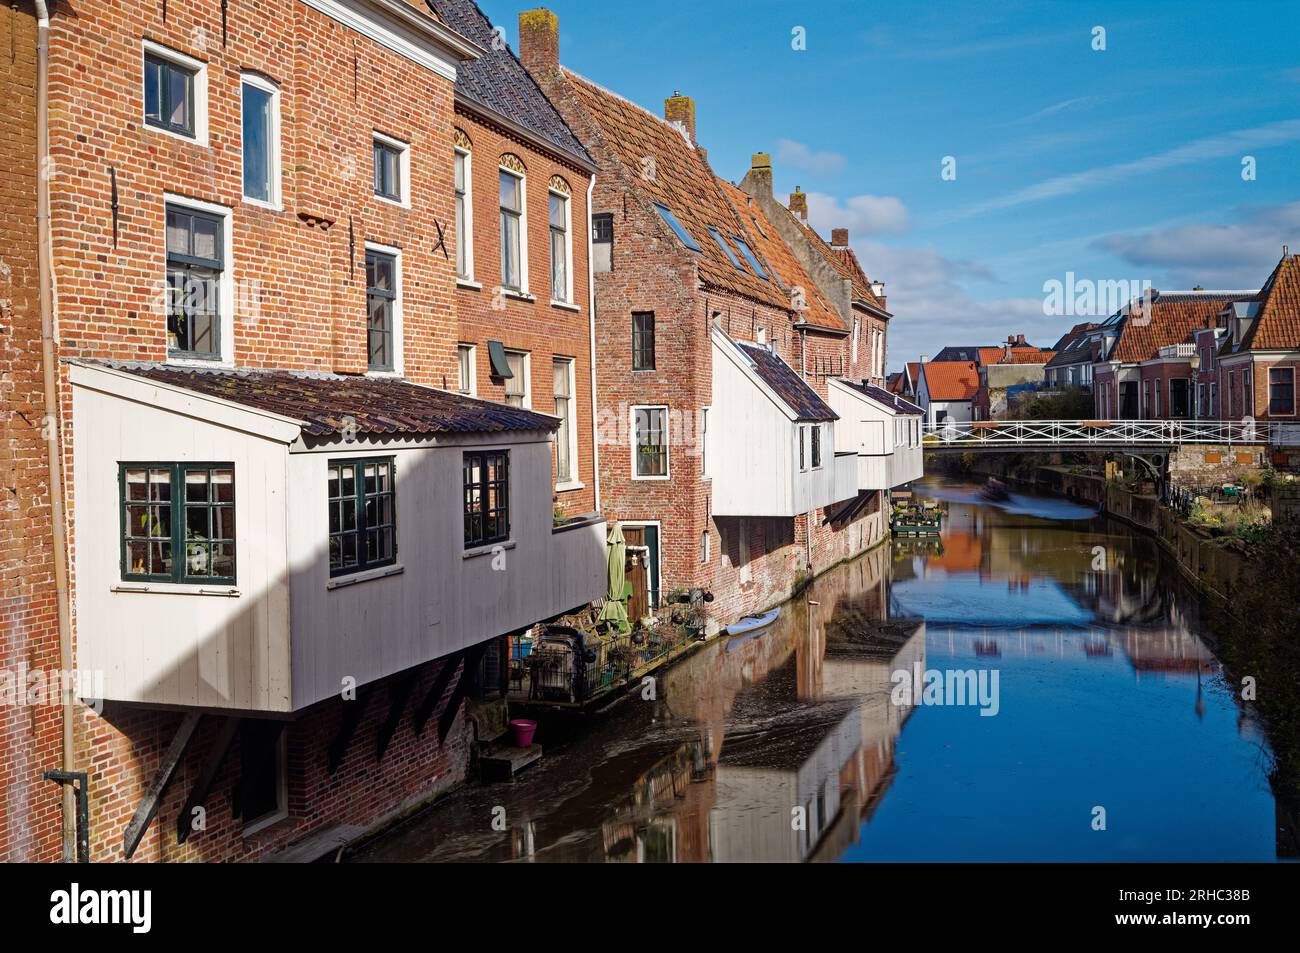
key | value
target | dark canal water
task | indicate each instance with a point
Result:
(805, 744)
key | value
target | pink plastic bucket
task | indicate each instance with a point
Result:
(523, 730)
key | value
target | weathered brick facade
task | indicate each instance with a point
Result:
(29, 734)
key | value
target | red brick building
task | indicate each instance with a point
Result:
(1257, 361)
(298, 547)
(685, 299)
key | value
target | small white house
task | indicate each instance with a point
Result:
(946, 391)
(772, 446)
(883, 429)
(253, 540)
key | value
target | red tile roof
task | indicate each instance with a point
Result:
(951, 380)
(764, 239)
(1019, 355)
(1174, 316)
(1278, 323)
(662, 165)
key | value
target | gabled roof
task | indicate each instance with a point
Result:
(786, 383)
(329, 404)
(842, 260)
(499, 82)
(959, 353)
(766, 241)
(951, 380)
(894, 382)
(881, 396)
(1018, 355)
(1075, 346)
(1174, 316)
(663, 166)
(1278, 323)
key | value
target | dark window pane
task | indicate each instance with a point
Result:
(257, 143)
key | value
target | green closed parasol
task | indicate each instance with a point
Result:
(614, 610)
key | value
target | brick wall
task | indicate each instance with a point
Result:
(29, 734)
(543, 329)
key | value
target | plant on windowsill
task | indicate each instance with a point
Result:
(197, 555)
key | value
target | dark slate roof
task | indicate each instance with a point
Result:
(498, 81)
(881, 396)
(959, 354)
(379, 405)
(789, 386)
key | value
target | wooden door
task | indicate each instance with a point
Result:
(636, 566)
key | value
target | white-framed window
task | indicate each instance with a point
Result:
(706, 546)
(392, 169)
(512, 194)
(518, 389)
(810, 446)
(260, 153)
(383, 309)
(566, 438)
(704, 443)
(650, 457)
(199, 298)
(465, 370)
(561, 247)
(175, 93)
(464, 215)
(856, 326)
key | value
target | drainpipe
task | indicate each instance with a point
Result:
(591, 319)
(52, 424)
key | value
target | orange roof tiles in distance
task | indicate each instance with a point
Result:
(1174, 316)
(951, 380)
(1278, 322)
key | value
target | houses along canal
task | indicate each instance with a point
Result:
(1088, 656)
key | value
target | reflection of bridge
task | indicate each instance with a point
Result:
(1004, 436)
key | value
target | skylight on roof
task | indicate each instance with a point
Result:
(749, 256)
(678, 228)
(717, 237)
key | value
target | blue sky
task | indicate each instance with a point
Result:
(1124, 163)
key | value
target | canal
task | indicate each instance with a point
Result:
(1037, 685)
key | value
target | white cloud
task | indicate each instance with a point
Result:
(860, 214)
(1052, 110)
(1236, 143)
(1234, 255)
(932, 308)
(799, 156)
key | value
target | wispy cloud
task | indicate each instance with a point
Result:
(1225, 255)
(799, 156)
(860, 214)
(1239, 142)
(1078, 102)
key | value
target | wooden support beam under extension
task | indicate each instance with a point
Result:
(352, 715)
(398, 693)
(436, 690)
(158, 786)
(472, 657)
(199, 793)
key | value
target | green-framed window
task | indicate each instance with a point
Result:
(363, 515)
(486, 483)
(178, 522)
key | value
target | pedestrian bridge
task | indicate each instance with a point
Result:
(1003, 436)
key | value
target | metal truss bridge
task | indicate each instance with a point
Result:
(1006, 436)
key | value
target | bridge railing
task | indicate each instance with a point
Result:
(974, 434)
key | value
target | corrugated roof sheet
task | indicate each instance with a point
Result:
(665, 167)
(499, 81)
(951, 380)
(325, 402)
(787, 384)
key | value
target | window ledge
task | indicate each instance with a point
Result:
(518, 295)
(395, 203)
(176, 589)
(469, 283)
(379, 572)
(180, 136)
(570, 485)
(259, 203)
(488, 549)
(566, 305)
(222, 364)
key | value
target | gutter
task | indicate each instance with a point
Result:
(591, 356)
(53, 424)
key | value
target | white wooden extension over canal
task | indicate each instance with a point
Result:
(1004, 436)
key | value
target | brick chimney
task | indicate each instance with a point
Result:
(760, 174)
(680, 109)
(839, 238)
(539, 39)
(1020, 341)
(799, 204)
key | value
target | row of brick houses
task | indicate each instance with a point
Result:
(335, 337)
